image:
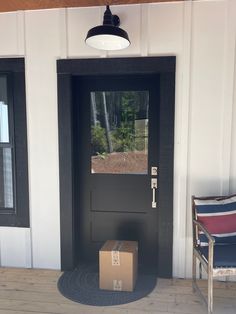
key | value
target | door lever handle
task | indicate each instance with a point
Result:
(154, 187)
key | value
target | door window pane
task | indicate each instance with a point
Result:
(4, 120)
(119, 132)
(6, 178)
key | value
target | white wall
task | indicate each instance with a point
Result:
(42, 48)
(38, 39)
(202, 34)
(211, 103)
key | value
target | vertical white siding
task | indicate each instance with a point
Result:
(202, 35)
(42, 50)
(15, 247)
(233, 147)
(206, 97)
(9, 34)
(211, 104)
(79, 21)
(165, 28)
(232, 8)
(20, 33)
(15, 243)
(165, 38)
(206, 106)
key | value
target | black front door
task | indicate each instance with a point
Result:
(116, 122)
(117, 159)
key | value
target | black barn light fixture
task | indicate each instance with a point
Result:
(108, 36)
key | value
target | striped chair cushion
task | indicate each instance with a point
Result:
(218, 215)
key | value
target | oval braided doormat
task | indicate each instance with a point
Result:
(82, 285)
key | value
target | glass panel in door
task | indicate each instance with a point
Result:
(119, 132)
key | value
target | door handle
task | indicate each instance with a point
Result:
(154, 187)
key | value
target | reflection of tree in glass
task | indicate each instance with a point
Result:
(123, 135)
(98, 139)
(113, 116)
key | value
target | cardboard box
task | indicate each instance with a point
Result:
(118, 263)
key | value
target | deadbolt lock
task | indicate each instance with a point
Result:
(154, 171)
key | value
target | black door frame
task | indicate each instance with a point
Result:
(66, 70)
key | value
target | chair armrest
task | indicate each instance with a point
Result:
(206, 232)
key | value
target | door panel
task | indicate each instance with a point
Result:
(120, 226)
(117, 204)
(120, 194)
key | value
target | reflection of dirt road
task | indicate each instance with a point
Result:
(130, 162)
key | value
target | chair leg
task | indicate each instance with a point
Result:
(210, 293)
(200, 270)
(227, 281)
(194, 269)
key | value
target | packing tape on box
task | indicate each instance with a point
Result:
(117, 285)
(115, 253)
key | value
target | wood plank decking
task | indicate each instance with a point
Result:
(27, 291)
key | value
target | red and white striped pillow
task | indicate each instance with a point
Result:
(218, 215)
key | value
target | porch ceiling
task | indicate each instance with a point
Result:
(15, 5)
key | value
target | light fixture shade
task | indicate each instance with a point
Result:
(108, 36)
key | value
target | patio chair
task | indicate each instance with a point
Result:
(214, 240)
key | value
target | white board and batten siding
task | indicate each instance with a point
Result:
(202, 35)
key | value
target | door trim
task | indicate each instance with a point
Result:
(66, 69)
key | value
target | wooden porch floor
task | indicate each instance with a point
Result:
(27, 291)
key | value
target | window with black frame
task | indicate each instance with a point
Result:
(14, 204)
(6, 149)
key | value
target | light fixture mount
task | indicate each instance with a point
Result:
(110, 19)
(108, 36)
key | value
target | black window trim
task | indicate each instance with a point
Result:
(14, 70)
(11, 143)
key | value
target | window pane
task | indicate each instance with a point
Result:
(6, 178)
(119, 132)
(4, 121)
